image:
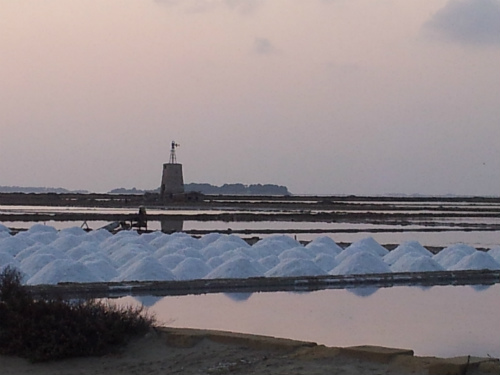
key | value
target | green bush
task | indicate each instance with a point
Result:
(48, 329)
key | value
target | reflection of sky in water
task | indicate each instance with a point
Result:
(440, 321)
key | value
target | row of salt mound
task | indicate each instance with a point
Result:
(130, 254)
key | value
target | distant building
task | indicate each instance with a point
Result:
(172, 181)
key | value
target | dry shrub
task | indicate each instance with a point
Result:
(48, 329)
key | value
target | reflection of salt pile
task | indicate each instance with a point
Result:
(46, 256)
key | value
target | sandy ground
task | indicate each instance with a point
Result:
(180, 351)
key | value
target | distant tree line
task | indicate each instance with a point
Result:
(238, 189)
(226, 189)
(39, 190)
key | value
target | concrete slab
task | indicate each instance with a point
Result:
(375, 353)
(186, 337)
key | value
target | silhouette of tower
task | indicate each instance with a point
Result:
(172, 181)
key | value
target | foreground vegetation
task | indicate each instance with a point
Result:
(49, 329)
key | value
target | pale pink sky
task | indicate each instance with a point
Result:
(323, 96)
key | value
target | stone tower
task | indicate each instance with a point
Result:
(172, 181)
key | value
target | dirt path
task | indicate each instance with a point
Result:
(206, 352)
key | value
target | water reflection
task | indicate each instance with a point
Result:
(443, 321)
(172, 226)
(238, 297)
(362, 292)
(479, 287)
(147, 301)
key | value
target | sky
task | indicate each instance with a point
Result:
(323, 96)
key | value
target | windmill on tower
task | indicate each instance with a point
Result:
(172, 181)
(173, 158)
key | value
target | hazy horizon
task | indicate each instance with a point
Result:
(324, 96)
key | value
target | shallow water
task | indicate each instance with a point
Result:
(442, 321)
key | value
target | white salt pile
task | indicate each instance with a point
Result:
(47, 256)
(476, 261)
(324, 245)
(295, 267)
(238, 268)
(361, 262)
(4, 229)
(413, 262)
(406, 248)
(366, 245)
(451, 255)
(495, 253)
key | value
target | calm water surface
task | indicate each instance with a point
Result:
(442, 321)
